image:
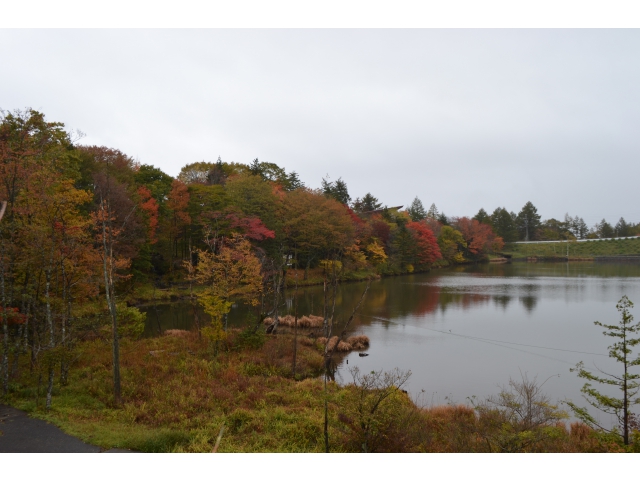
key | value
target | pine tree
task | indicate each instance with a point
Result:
(504, 225)
(627, 382)
(336, 190)
(528, 221)
(622, 228)
(483, 217)
(433, 211)
(416, 210)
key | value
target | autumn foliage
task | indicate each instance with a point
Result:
(478, 236)
(426, 242)
(149, 206)
(86, 227)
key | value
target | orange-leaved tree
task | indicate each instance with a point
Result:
(479, 237)
(149, 206)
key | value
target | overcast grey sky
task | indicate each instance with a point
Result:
(462, 118)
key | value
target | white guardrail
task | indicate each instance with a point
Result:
(573, 241)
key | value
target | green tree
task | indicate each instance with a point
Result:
(337, 190)
(528, 221)
(452, 244)
(271, 172)
(622, 228)
(604, 229)
(433, 212)
(416, 210)
(254, 197)
(504, 225)
(293, 182)
(158, 182)
(552, 229)
(627, 382)
(368, 203)
(580, 226)
(483, 217)
(217, 175)
(404, 248)
(442, 218)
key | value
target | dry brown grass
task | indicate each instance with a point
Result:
(310, 321)
(179, 398)
(358, 342)
(335, 343)
(177, 333)
(306, 341)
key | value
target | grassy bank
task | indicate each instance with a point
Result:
(576, 249)
(178, 394)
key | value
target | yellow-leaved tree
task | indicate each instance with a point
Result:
(231, 272)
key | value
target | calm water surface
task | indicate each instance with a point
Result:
(465, 332)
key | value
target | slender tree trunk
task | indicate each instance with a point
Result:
(5, 323)
(326, 373)
(51, 335)
(295, 324)
(50, 386)
(63, 325)
(625, 393)
(276, 302)
(108, 288)
(192, 298)
(326, 415)
(325, 322)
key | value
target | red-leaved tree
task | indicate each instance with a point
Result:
(428, 250)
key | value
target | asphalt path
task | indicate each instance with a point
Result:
(20, 433)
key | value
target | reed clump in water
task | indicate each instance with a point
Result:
(342, 346)
(306, 321)
(358, 342)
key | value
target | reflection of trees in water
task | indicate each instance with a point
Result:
(386, 298)
(464, 300)
(529, 299)
(422, 295)
(529, 302)
(502, 300)
(428, 301)
(168, 316)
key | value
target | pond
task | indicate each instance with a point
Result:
(466, 331)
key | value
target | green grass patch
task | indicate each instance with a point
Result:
(576, 249)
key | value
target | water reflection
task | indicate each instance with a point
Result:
(502, 301)
(465, 331)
